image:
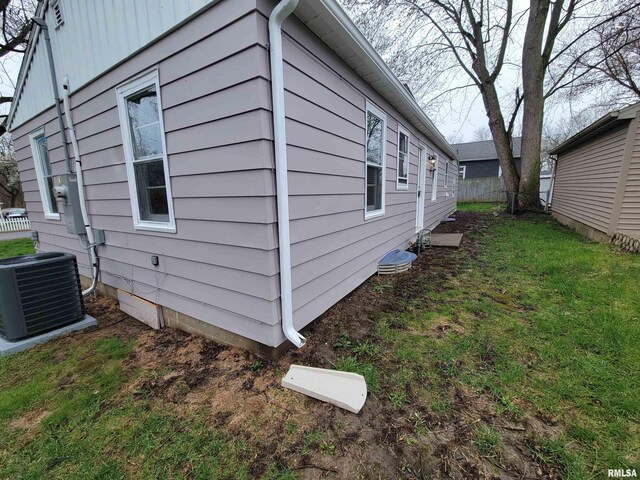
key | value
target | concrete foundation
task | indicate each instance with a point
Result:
(584, 230)
(9, 348)
(180, 321)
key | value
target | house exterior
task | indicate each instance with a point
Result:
(596, 182)
(177, 112)
(480, 159)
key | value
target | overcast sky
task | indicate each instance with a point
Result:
(458, 118)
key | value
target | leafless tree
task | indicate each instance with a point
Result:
(543, 44)
(612, 69)
(15, 16)
(481, 134)
(10, 187)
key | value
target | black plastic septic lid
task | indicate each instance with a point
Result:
(36, 257)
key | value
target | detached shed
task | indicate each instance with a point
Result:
(245, 162)
(596, 183)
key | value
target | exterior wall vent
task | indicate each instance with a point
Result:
(39, 293)
(57, 13)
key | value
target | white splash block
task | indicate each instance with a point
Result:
(342, 389)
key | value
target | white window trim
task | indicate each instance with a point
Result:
(122, 92)
(42, 186)
(499, 170)
(383, 116)
(434, 187)
(464, 171)
(402, 186)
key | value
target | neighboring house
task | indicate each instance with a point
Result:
(480, 159)
(182, 151)
(596, 184)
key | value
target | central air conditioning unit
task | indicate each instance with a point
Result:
(39, 293)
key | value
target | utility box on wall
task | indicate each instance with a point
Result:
(67, 189)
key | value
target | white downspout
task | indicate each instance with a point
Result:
(277, 17)
(93, 257)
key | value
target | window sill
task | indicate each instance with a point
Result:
(52, 216)
(150, 227)
(372, 215)
(402, 187)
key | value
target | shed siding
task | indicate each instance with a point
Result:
(221, 265)
(333, 248)
(629, 221)
(587, 179)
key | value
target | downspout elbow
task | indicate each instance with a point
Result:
(277, 17)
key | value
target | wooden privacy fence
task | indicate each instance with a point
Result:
(14, 224)
(485, 189)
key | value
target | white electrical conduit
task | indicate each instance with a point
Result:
(277, 17)
(93, 257)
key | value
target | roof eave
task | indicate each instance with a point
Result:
(374, 60)
(26, 62)
(598, 124)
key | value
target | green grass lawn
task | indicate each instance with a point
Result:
(546, 324)
(13, 248)
(525, 342)
(481, 207)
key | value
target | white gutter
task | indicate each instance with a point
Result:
(277, 17)
(93, 257)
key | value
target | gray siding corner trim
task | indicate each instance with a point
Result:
(632, 133)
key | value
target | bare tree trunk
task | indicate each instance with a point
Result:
(533, 72)
(501, 139)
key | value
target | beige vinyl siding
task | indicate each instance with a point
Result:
(221, 265)
(586, 179)
(629, 221)
(333, 248)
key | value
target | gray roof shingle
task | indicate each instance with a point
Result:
(485, 150)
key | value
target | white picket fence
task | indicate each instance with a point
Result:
(14, 224)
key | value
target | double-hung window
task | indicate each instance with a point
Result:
(376, 125)
(402, 182)
(145, 153)
(43, 174)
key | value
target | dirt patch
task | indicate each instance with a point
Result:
(29, 420)
(240, 393)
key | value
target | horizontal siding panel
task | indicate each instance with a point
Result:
(235, 100)
(250, 235)
(317, 205)
(302, 183)
(304, 111)
(236, 302)
(248, 183)
(251, 284)
(245, 65)
(227, 209)
(242, 128)
(311, 161)
(253, 155)
(305, 136)
(587, 178)
(231, 256)
(366, 260)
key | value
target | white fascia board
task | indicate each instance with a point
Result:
(332, 13)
